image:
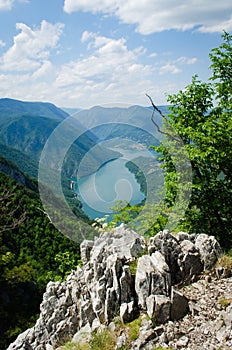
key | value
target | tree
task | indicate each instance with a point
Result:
(201, 115)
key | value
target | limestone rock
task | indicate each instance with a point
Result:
(179, 305)
(104, 287)
(209, 250)
(152, 277)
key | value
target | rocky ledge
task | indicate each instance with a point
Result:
(125, 277)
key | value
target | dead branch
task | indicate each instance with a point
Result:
(155, 108)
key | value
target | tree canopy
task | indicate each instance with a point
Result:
(201, 115)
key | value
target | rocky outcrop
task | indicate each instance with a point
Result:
(208, 325)
(108, 286)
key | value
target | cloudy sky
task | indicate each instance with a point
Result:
(80, 53)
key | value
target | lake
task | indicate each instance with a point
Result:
(112, 182)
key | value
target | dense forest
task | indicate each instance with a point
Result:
(32, 253)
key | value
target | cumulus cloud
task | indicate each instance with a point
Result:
(186, 60)
(2, 43)
(176, 66)
(152, 16)
(110, 70)
(6, 5)
(31, 47)
(169, 69)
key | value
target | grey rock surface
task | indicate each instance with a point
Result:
(106, 287)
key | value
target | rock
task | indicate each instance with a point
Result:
(179, 305)
(92, 296)
(183, 341)
(209, 250)
(189, 260)
(150, 305)
(85, 248)
(121, 341)
(162, 309)
(169, 247)
(227, 317)
(83, 335)
(127, 312)
(152, 277)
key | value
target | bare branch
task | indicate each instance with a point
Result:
(155, 108)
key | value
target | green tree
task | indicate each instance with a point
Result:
(201, 115)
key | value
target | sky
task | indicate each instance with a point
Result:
(82, 53)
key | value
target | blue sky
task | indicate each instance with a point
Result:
(81, 53)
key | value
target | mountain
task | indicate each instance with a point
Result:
(16, 174)
(132, 293)
(12, 108)
(133, 122)
(71, 111)
(26, 126)
(21, 160)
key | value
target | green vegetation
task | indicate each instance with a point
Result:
(106, 340)
(133, 329)
(225, 302)
(226, 262)
(32, 252)
(201, 117)
(133, 267)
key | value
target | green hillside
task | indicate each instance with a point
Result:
(32, 252)
(26, 126)
(10, 108)
(22, 160)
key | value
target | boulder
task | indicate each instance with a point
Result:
(179, 305)
(152, 277)
(209, 249)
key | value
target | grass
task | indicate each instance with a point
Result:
(225, 302)
(226, 262)
(103, 340)
(133, 329)
(133, 267)
(106, 340)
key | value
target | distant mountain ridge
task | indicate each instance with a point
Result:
(133, 122)
(26, 126)
(12, 108)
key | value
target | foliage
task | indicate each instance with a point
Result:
(205, 128)
(32, 252)
(152, 217)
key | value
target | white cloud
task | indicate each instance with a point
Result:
(110, 71)
(6, 5)
(169, 69)
(31, 47)
(152, 16)
(93, 6)
(186, 60)
(2, 43)
(153, 55)
(43, 70)
(217, 27)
